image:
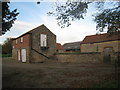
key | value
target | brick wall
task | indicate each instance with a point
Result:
(85, 58)
(21, 45)
(81, 58)
(25, 42)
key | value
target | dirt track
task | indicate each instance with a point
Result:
(55, 75)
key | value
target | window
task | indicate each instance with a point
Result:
(21, 39)
(43, 40)
(16, 41)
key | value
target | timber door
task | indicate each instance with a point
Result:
(19, 55)
(107, 55)
(23, 53)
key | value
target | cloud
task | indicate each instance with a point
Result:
(20, 24)
(18, 28)
(76, 32)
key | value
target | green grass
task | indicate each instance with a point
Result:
(5, 55)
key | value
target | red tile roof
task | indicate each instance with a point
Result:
(100, 38)
(59, 46)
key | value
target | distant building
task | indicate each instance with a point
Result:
(36, 45)
(72, 47)
(101, 43)
(59, 48)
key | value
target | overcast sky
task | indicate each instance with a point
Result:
(33, 15)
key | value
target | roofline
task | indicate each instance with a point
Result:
(118, 32)
(30, 31)
(72, 42)
(102, 41)
(98, 41)
(22, 35)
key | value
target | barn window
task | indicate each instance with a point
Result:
(21, 39)
(43, 40)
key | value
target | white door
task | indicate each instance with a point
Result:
(23, 51)
(19, 55)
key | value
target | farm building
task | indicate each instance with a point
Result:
(37, 45)
(105, 44)
(59, 48)
(72, 47)
(100, 43)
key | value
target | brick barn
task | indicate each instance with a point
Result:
(36, 45)
(107, 45)
(100, 43)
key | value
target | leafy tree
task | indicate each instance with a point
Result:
(8, 17)
(7, 46)
(110, 19)
(107, 18)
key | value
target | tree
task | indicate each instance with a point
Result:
(110, 19)
(71, 10)
(8, 17)
(7, 46)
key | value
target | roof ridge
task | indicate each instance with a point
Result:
(72, 42)
(30, 30)
(97, 34)
(99, 38)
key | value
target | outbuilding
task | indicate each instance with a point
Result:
(36, 45)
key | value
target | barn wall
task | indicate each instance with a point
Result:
(15, 53)
(36, 45)
(99, 47)
(36, 57)
(21, 45)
